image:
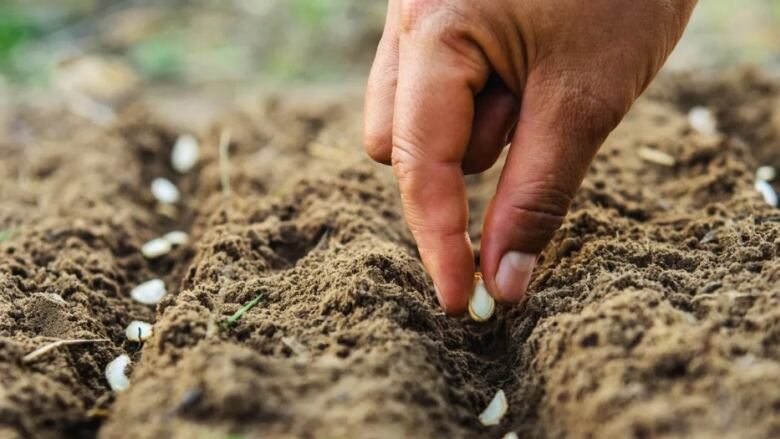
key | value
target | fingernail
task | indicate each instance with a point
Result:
(514, 273)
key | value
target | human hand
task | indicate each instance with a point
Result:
(454, 80)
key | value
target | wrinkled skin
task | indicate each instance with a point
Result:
(454, 81)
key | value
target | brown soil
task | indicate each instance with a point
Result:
(654, 313)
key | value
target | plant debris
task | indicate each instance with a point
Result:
(224, 161)
(149, 292)
(495, 410)
(32, 356)
(230, 321)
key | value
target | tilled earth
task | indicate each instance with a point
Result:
(655, 312)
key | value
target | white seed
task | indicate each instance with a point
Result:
(655, 156)
(115, 373)
(481, 303)
(511, 435)
(149, 292)
(766, 173)
(138, 331)
(495, 410)
(767, 191)
(176, 237)
(185, 153)
(165, 191)
(156, 248)
(702, 120)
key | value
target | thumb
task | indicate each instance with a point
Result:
(561, 125)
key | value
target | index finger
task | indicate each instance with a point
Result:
(432, 122)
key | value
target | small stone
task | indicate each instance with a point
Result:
(149, 292)
(165, 191)
(185, 153)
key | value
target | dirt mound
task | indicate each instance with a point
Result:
(654, 312)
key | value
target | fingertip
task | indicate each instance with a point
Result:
(513, 276)
(451, 284)
(449, 260)
(378, 113)
(378, 144)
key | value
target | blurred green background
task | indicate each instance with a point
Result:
(194, 41)
(217, 41)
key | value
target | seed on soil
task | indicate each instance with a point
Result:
(655, 156)
(766, 173)
(511, 435)
(481, 303)
(149, 292)
(165, 191)
(115, 373)
(495, 410)
(138, 331)
(185, 153)
(176, 237)
(702, 120)
(155, 248)
(767, 191)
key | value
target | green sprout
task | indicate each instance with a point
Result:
(231, 321)
(6, 235)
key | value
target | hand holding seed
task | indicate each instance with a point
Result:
(453, 82)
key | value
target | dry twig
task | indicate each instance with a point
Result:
(32, 356)
(224, 161)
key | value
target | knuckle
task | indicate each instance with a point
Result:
(539, 212)
(405, 157)
(590, 116)
(413, 11)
